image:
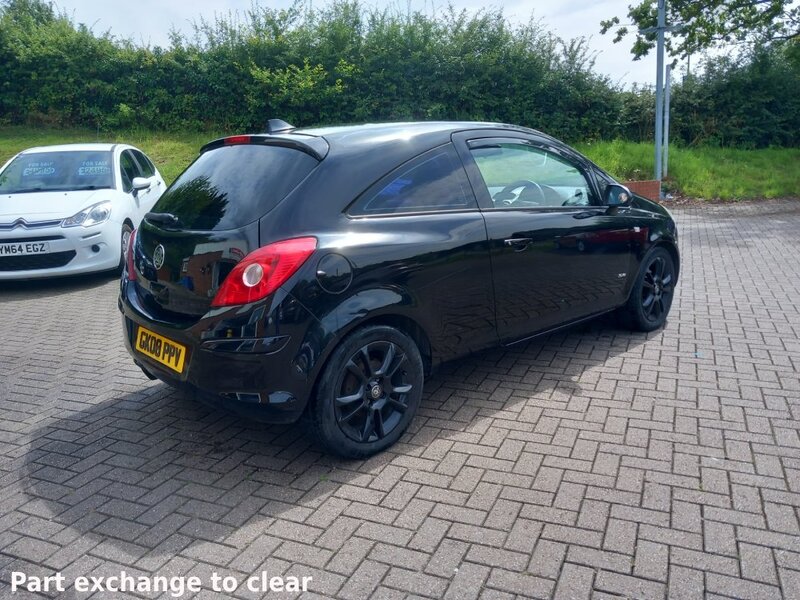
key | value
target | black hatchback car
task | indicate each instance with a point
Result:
(325, 272)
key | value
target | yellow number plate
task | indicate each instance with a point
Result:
(157, 347)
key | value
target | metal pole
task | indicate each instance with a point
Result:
(660, 85)
(666, 120)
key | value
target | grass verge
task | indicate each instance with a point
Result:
(710, 173)
(706, 173)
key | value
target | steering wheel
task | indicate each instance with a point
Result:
(507, 196)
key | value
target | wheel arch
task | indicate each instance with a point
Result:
(395, 319)
(670, 247)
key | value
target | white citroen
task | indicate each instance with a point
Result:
(70, 209)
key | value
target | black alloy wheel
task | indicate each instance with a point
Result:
(369, 392)
(373, 392)
(651, 297)
(656, 289)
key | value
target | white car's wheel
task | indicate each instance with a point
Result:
(126, 236)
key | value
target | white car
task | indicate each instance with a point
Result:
(70, 209)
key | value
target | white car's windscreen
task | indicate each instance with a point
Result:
(58, 171)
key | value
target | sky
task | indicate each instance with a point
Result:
(148, 22)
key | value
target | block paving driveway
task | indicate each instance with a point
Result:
(591, 463)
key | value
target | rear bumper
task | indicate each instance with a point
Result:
(261, 378)
(275, 408)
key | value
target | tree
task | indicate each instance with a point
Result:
(711, 22)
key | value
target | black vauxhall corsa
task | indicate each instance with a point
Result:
(326, 271)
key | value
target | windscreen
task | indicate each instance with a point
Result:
(232, 186)
(58, 171)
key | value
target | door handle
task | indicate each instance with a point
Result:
(588, 214)
(519, 244)
(617, 210)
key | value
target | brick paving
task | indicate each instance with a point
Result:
(594, 462)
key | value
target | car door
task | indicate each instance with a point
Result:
(426, 237)
(557, 254)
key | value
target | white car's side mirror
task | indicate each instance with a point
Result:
(141, 183)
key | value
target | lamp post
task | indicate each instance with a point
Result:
(660, 30)
(662, 9)
(666, 121)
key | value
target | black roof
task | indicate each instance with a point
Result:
(414, 136)
(392, 142)
(376, 132)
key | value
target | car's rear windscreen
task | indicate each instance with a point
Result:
(231, 186)
(58, 171)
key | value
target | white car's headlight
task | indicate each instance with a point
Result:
(95, 214)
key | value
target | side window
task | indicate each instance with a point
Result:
(128, 170)
(519, 175)
(433, 181)
(146, 167)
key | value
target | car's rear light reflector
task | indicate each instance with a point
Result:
(232, 140)
(129, 266)
(263, 271)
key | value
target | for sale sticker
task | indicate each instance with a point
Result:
(92, 168)
(39, 169)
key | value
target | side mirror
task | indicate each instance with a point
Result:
(617, 195)
(140, 183)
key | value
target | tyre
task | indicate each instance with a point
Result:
(123, 252)
(368, 393)
(651, 297)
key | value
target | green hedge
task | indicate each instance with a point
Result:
(343, 63)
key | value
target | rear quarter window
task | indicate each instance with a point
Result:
(231, 186)
(434, 181)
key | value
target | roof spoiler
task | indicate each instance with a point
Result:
(314, 146)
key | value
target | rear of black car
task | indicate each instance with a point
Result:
(202, 302)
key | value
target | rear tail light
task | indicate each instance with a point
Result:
(129, 256)
(263, 271)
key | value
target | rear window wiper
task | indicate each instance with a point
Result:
(167, 219)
